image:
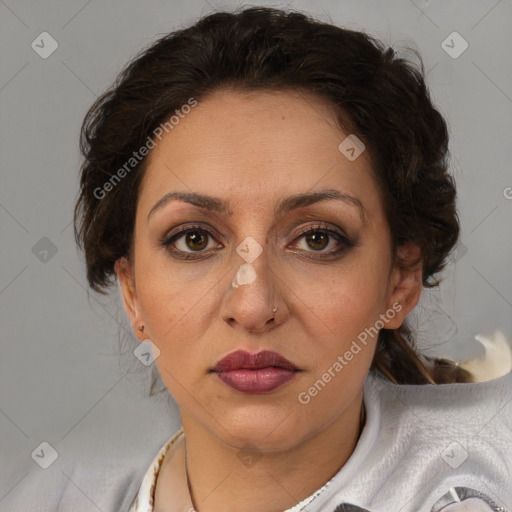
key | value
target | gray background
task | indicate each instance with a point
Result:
(63, 379)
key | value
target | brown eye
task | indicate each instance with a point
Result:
(317, 240)
(188, 242)
(322, 241)
(196, 240)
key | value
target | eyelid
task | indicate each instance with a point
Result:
(323, 226)
(185, 227)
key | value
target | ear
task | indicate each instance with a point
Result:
(405, 284)
(124, 272)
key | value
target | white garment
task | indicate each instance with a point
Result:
(424, 448)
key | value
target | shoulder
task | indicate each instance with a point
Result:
(433, 438)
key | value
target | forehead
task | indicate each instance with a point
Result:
(256, 146)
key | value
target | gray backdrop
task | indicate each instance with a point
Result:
(62, 378)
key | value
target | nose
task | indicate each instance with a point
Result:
(251, 297)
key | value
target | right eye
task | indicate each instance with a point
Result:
(188, 241)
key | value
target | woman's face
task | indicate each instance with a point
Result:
(210, 290)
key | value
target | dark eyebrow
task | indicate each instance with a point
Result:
(302, 200)
(287, 204)
(213, 204)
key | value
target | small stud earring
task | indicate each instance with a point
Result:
(141, 328)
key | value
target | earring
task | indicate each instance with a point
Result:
(140, 328)
(274, 309)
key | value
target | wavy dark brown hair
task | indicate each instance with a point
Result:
(377, 95)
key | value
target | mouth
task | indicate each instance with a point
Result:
(257, 373)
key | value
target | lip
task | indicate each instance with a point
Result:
(257, 373)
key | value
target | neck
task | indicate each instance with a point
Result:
(221, 479)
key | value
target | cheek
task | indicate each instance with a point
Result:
(173, 297)
(345, 299)
(177, 310)
(344, 338)
(347, 303)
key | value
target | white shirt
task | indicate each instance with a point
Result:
(424, 448)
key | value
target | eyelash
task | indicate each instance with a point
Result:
(167, 241)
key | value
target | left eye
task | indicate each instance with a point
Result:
(319, 238)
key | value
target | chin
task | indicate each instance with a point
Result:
(266, 430)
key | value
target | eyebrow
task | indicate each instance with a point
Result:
(286, 205)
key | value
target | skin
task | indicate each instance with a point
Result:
(253, 149)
